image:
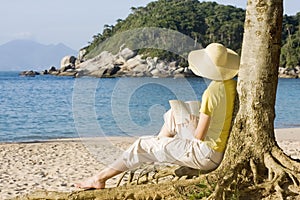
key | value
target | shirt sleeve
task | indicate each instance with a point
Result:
(209, 103)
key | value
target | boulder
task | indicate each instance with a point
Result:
(140, 68)
(53, 72)
(173, 65)
(133, 62)
(100, 62)
(66, 68)
(162, 66)
(188, 72)
(81, 54)
(105, 58)
(127, 53)
(81, 73)
(105, 71)
(292, 72)
(179, 76)
(297, 68)
(44, 72)
(140, 74)
(179, 70)
(97, 74)
(151, 62)
(119, 60)
(68, 73)
(30, 73)
(281, 70)
(52, 69)
(155, 72)
(68, 61)
(111, 71)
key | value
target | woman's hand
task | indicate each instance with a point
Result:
(192, 123)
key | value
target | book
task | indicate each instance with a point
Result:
(183, 109)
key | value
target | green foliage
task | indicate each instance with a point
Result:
(290, 51)
(203, 22)
(203, 192)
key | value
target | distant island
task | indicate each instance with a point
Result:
(18, 55)
(205, 22)
(112, 53)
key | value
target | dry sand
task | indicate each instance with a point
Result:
(58, 164)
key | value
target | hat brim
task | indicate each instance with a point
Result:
(201, 65)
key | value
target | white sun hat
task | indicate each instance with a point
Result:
(215, 62)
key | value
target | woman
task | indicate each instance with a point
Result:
(197, 141)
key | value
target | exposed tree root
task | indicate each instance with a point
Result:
(222, 185)
(166, 191)
(279, 175)
(289, 163)
(135, 186)
(153, 174)
(282, 178)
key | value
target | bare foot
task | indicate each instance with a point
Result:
(91, 183)
(98, 181)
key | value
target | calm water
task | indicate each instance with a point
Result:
(47, 107)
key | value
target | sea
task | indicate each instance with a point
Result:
(51, 107)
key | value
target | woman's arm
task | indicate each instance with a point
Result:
(202, 127)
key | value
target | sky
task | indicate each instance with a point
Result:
(74, 22)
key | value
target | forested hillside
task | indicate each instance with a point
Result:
(290, 52)
(205, 22)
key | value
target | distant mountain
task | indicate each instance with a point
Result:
(20, 55)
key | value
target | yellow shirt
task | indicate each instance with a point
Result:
(218, 103)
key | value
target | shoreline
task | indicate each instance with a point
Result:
(280, 134)
(71, 139)
(287, 134)
(55, 165)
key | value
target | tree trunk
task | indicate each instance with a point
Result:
(253, 161)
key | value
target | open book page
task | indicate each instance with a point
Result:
(182, 110)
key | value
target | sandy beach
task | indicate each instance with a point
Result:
(58, 164)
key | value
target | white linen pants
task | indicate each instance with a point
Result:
(182, 149)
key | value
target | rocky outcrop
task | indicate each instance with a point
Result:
(64, 71)
(30, 73)
(127, 63)
(289, 72)
(67, 68)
